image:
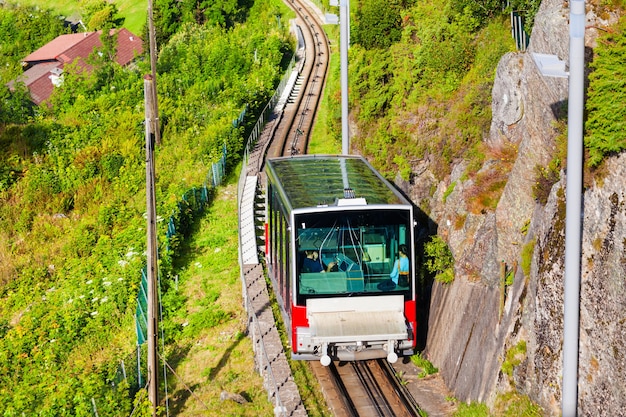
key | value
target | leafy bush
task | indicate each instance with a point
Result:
(377, 23)
(439, 259)
(171, 15)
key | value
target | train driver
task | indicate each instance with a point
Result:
(313, 263)
(400, 273)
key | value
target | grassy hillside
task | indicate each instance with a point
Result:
(72, 199)
(133, 12)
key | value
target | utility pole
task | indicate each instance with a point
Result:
(151, 259)
(153, 62)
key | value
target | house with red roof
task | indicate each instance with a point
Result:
(44, 67)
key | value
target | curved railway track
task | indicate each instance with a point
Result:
(292, 134)
(362, 388)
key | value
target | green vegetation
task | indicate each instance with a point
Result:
(72, 200)
(326, 136)
(510, 404)
(171, 14)
(606, 97)
(472, 410)
(514, 357)
(22, 31)
(378, 23)
(424, 364)
(513, 404)
(303, 376)
(131, 14)
(439, 259)
(429, 92)
(527, 256)
(509, 276)
(449, 191)
(205, 324)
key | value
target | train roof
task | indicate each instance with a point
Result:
(314, 180)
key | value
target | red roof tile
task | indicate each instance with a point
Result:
(128, 46)
(38, 80)
(41, 89)
(81, 49)
(55, 47)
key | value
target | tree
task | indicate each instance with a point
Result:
(101, 15)
(15, 106)
(378, 23)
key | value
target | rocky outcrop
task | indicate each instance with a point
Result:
(468, 333)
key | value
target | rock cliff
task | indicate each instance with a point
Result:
(469, 334)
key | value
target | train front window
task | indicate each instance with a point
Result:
(341, 252)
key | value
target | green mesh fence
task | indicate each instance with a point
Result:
(141, 316)
(192, 203)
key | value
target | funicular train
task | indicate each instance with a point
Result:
(334, 231)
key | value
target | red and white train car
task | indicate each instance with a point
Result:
(335, 230)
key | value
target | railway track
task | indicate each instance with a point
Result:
(292, 134)
(365, 389)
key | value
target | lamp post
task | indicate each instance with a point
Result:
(344, 29)
(551, 66)
(344, 43)
(573, 209)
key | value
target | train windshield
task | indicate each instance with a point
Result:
(341, 252)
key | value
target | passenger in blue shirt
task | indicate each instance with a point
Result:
(400, 273)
